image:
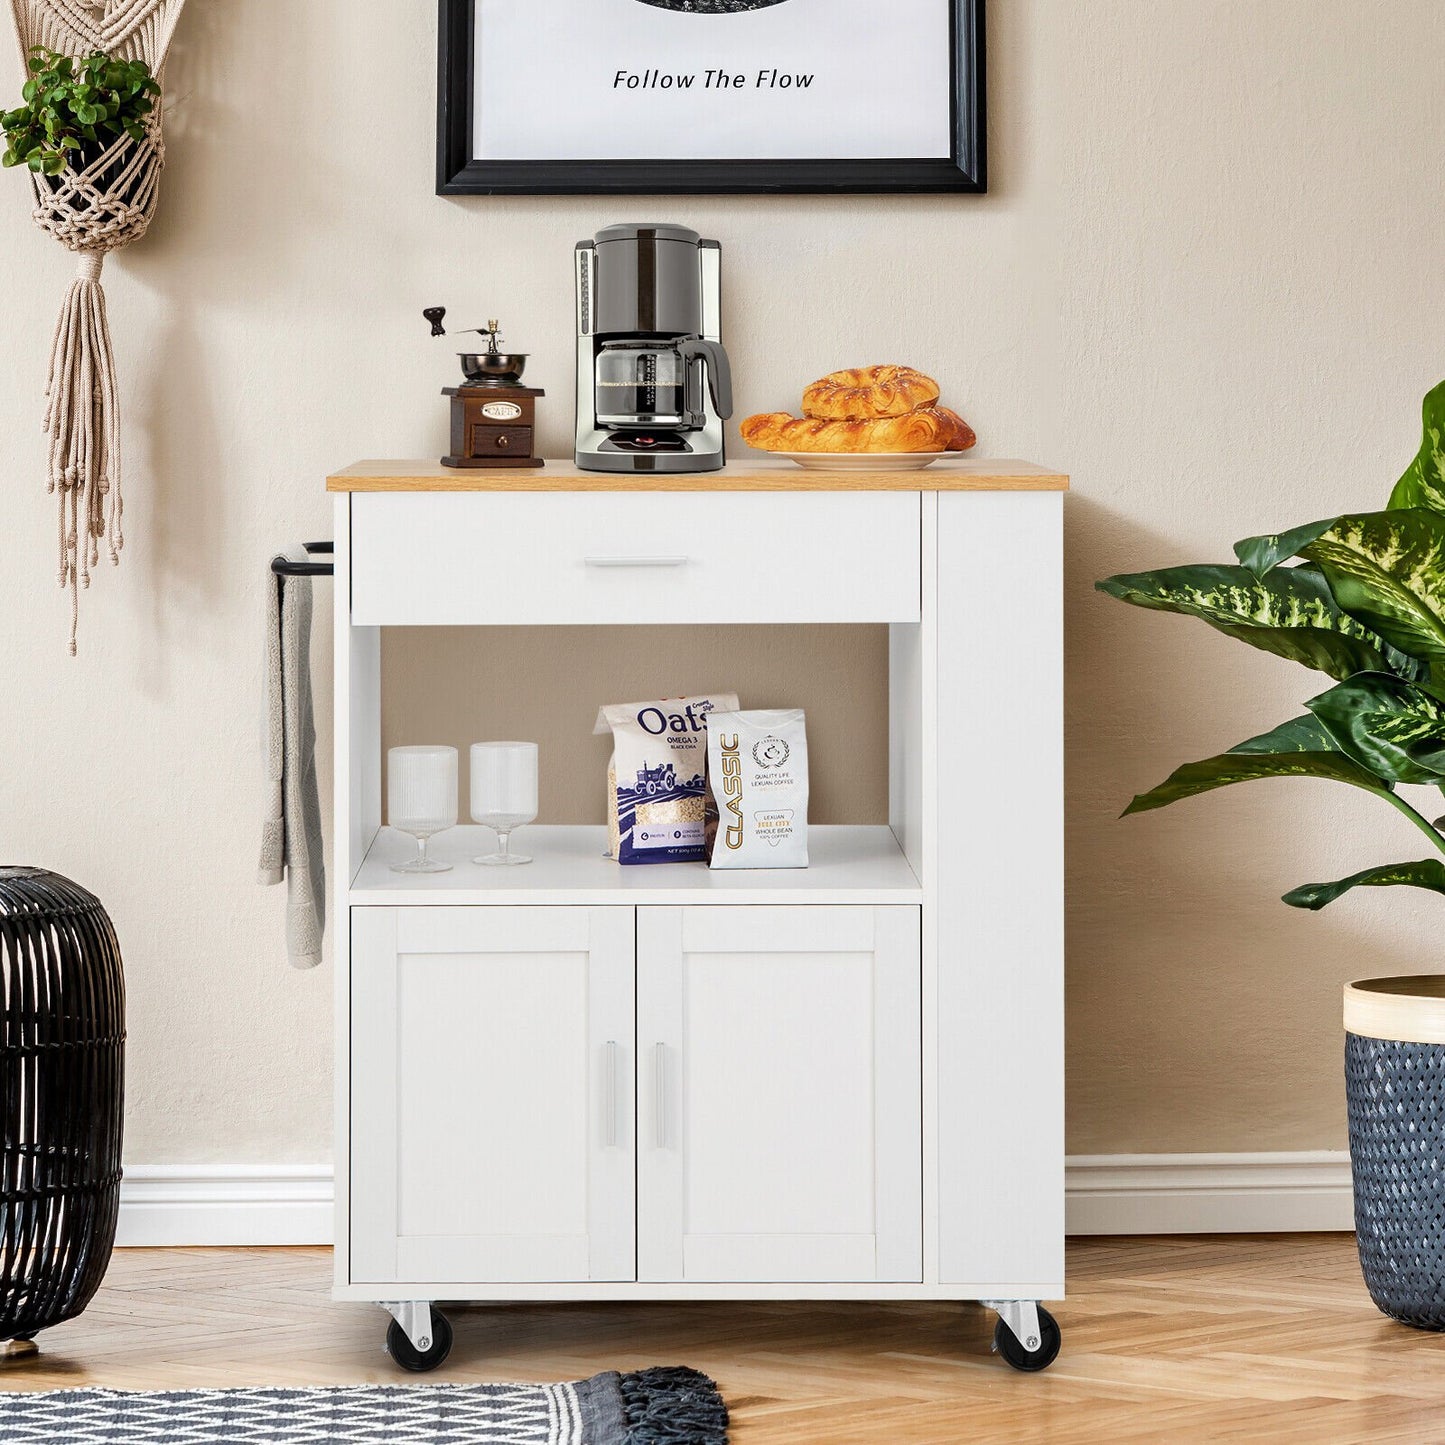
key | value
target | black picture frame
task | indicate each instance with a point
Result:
(459, 173)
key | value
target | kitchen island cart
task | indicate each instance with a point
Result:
(580, 1081)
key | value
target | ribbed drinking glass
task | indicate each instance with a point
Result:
(504, 794)
(421, 799)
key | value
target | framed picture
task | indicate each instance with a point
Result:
(678, 97)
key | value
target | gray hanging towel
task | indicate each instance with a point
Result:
(291, 836)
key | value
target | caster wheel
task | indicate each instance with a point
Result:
(409, 1357)
(1008, 1345)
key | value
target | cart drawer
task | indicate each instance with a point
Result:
(634, 557)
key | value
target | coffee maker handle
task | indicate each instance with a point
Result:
(719, 373)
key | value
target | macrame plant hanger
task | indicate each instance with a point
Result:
(100, 208)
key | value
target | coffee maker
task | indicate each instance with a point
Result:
(653, 383)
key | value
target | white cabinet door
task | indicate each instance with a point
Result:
(779, 1132)
(491, 1094)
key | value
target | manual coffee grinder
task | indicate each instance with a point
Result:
(653, 384)
(493, 414)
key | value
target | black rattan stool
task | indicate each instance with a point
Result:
(62, 1062)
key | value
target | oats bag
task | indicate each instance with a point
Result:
(657, 778)
(758, 773)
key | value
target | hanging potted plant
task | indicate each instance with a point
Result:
(88, 131)
(1360, 598)
(75, 113)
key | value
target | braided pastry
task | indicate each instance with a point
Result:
(963, 436)
(929, 430)
(863, 393)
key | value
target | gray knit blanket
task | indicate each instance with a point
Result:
(649, 1407)
(291, 833)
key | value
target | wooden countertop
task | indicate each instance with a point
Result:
(762, 474)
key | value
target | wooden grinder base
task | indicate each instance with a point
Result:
(484, 434)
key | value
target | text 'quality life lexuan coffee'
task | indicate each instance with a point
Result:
(758, 772)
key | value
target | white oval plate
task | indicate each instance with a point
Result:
(862, 461)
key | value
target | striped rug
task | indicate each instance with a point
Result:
(649, 1407)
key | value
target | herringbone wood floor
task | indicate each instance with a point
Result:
(1230, 1338)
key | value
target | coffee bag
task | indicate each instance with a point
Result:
(758, 773)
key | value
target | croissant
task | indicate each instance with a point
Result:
(862, 393)
(963, 436)
(920, 431)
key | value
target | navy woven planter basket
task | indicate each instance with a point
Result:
(62, 1059)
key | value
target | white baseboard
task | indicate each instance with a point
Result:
(240, 1204)
(1290, 1193)
(176, 1204)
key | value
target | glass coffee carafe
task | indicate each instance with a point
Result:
(641, 383)
(646, 383)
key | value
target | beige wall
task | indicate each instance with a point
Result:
(1205, 282)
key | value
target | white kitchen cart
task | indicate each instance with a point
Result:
(576, 1081)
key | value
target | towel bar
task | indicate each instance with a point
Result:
(285, 567)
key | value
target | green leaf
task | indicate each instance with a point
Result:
(1290, 613)
(1428, 873)
(1300, 735)
(1423, 484)
(1387, 570)
(1237, 767)
(1387, 725)
(1263, 554)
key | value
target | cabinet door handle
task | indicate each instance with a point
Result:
(610, 1094)
(635, 561)
(659, 1103)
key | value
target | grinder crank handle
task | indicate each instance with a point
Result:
(434, 314)
(719, 373)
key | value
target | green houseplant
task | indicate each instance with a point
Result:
(1360, 598)
(72, 109)
(1362, 601)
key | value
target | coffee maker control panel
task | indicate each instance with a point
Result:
(642, 443)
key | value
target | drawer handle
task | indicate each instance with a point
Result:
(635, 561)
(659, 1104)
